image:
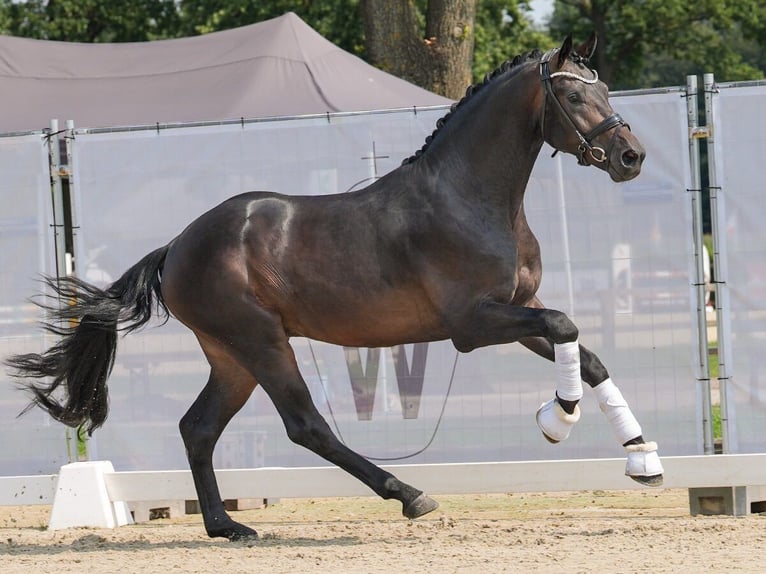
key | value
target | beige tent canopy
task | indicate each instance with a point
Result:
(280, 67)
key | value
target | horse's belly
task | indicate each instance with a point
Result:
(368, 325)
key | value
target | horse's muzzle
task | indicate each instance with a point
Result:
(628, 163)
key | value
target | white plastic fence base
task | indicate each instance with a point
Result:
(81, 498)
(85, 491)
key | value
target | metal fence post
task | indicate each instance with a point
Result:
(720, 272)
(703, 375)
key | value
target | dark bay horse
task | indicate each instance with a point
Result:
(437, 249)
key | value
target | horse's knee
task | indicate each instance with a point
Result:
(559, 327)
(187, 427)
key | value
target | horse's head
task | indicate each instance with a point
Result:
(577, 117)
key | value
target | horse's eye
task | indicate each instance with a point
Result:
(573, 97)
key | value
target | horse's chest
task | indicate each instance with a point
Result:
(527, 283)
(516, 274)
(528, 267)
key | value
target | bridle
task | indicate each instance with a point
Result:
(598, 154)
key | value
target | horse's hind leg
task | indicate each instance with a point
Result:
(279, 376)
(257, 342)
(227, 390)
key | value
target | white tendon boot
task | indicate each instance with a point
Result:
(554, 422)
(644, 464)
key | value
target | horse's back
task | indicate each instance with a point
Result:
(333, 268)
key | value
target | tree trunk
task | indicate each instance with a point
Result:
(437, 58)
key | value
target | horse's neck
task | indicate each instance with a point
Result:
(491, 147)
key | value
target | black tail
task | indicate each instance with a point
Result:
(82, 360)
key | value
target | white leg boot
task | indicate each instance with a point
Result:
(551, 418)
(644, 464)
(555, 422)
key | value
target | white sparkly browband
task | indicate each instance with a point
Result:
(576, 77)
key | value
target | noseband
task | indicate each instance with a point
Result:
(598, 154)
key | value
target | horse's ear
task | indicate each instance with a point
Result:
(565, 51)
(586, 50)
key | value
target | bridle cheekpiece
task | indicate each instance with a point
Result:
(598, 154)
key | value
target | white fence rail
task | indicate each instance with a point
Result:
(459, 478)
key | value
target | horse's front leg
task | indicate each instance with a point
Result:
(493, 323)
(552, 335)
(643, 464)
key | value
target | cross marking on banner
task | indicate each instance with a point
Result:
(375, 157)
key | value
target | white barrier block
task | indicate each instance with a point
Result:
(81, 498)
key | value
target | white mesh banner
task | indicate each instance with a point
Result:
(616, 257)
(740, 138)
(621, 266)
(32, 444)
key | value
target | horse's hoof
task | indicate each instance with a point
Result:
(235, 532)
(549, 439)
(243, 535)
(554, 422)
(655, 480)
(420, 506)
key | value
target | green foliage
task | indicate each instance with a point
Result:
(82, 443)
(716, 408)
(658, 42)
(77, 444)
(504, 30)
(88, 20)
(717, 432)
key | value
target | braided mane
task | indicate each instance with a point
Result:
(504, 68)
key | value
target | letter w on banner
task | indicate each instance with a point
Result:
(409, 378)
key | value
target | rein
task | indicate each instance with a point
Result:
(598, 154)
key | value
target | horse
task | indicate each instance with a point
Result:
(437, 249)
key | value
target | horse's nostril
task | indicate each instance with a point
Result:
(630, 158)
